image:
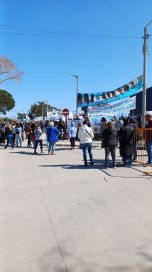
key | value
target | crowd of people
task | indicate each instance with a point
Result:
(122, 132)
(14, 133)
(113, 134)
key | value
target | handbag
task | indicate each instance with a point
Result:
(88, 133)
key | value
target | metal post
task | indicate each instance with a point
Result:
(42, 112)
(146, 36)
(144, 77)
(46, 108)
(77, 90)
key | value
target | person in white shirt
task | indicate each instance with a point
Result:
(18, 135)
(85, 136)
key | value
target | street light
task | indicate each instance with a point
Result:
(77, 88)
(146, 36)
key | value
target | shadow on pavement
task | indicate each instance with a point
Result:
(110, 172)
(98, 164)
(72, 263)
(63, 148)
(29, 153)
(69, 166)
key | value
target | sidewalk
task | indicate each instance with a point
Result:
(58, 216)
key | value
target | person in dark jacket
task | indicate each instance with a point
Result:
(126, 137)
(148, 139)
(134, 125)
(110, 142)
(28, 133)
(52, 137)
(9, 135)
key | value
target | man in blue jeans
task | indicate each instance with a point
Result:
(148, 139)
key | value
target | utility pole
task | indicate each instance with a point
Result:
(77, 90)
(145, 50)
(46, 108)
(42, 112)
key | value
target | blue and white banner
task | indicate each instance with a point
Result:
(117, 109)
(94, 99)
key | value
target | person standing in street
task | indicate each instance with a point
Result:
(38, 138)
(52, 137)
(103, 123)
(72, 133)
(18, 135)
(126, 138)
(85, 136)
(28, 133)
(9, 135)
(148, 137)
(110, 142)
(134, 125)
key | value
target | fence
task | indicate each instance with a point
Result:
(141, 136)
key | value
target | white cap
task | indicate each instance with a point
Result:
(51, 124)
(149, 113)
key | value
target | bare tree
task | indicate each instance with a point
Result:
(8, 70)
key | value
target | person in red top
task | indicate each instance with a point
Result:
(148, 118)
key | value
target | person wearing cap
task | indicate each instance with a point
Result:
(52, 137)
(148, 118)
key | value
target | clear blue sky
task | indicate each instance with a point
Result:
(97, 39)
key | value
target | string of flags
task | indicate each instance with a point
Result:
(99, 98)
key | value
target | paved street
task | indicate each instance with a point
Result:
(58, 216)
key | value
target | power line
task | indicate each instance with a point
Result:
(124, 18)
(115, 66)
(24, 31)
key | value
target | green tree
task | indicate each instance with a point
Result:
(7, 101)
(39, 109)
(21, 116)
